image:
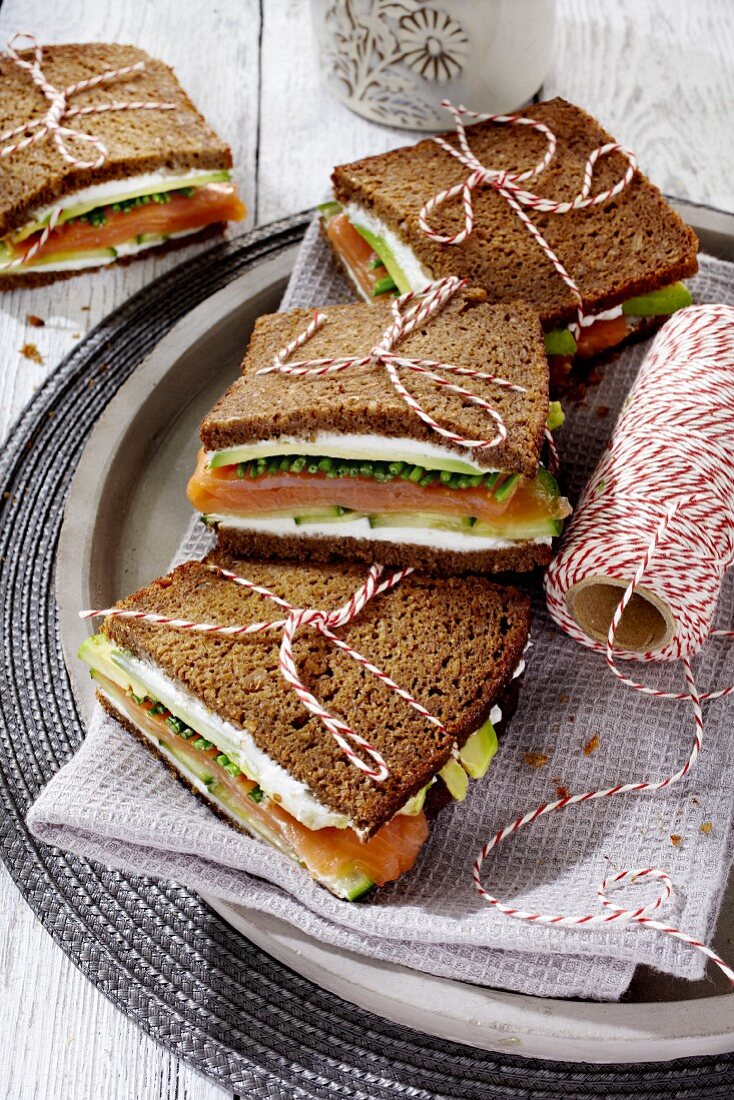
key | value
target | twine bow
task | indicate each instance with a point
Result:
(34, 130)
(37, 129)
(508, 184)
(324, 622)
(410, 311)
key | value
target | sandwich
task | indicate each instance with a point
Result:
(218, 711)
(330, 466)
(627, 255)
(136, 167)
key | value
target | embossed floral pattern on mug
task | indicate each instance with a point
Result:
(393, 61)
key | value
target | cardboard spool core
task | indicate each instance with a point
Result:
(646, 624)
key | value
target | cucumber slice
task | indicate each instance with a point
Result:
(455, 779)
(422, 519)
(560, 342)
(519, 532)
(324, 514)
(350, 886)
(666, 300)
(171, 184)
(231, 456)
(386, 254)
(477, 753)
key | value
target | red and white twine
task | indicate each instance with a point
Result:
(325, 623)
(508, 184)
(658, 508)
(410, 311)
(50, 125)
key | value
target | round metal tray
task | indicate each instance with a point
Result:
(158, 951)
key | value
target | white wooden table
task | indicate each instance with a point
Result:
(660, 76)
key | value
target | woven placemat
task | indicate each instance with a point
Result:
(153, 948)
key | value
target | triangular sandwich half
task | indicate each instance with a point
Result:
(219, 712)
(338, 466)
(165, 180)
(627, 254)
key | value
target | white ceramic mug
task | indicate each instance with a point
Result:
(393, 61)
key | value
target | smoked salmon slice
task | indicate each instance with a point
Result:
(221, 491)
(182, 213)
(327, 853)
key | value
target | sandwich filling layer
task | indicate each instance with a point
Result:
(254, 792)
(118, 218)
(393, 500)
(379, 262)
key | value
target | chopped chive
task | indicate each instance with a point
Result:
(490, 479)
(376, 262)
(416, 474)
(256, 794)
(187, 733)
(298, 464)
(202, 743)
(175, 723)
(427, 479)
(284, 464)
(232, 769)
(382, 286)
(395, 468)
(445, 477)
(475, 479)
(136, 698)
(241, 469)
(325, 465)
(221, 759)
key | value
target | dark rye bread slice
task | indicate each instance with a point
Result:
(502, 340)
(633, 243)
(341, 547)
(453, 644)
(137, 141)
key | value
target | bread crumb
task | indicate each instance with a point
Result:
(562, 792)
(602, 411)
(706, 828)
(563, 698)
(676, 840)
(30, 351)
(36, 322)
(591, 745)
(536, 759)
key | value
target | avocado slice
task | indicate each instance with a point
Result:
(455, 779)
(666, 300)
(556, 416)
(560, 341)
(477, 753)
(386, 254)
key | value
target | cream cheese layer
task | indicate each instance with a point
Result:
(405, 257)
(432, 537)
(118, 189)
(293, 795)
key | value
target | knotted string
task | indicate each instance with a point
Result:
(660, 505)
(507, 183)
(35, 130)
(410, 311)
(325, 623)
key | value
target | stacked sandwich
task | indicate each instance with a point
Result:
(626, 255)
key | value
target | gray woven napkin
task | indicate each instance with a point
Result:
(576, 729)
